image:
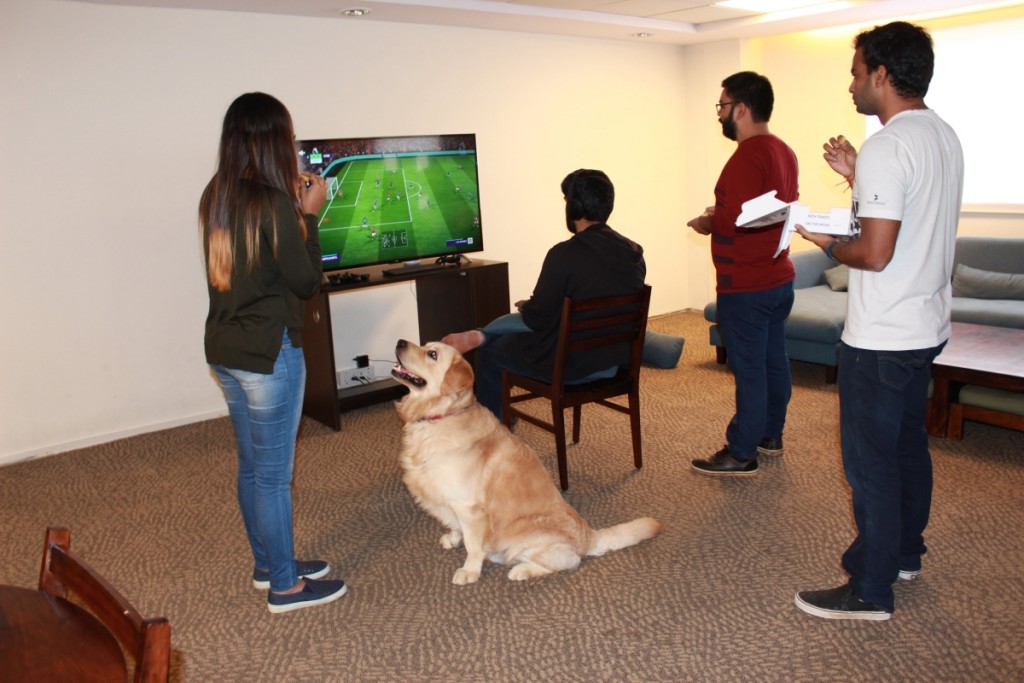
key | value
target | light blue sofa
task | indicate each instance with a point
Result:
(819, 313)
(991, 256)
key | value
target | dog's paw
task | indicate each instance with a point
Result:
(464, 576)
(526, 570)
(452, 539)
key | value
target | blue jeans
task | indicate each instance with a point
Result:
(752, 325)
(265, 411)
(883, 398)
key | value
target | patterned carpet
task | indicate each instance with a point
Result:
(711, 599)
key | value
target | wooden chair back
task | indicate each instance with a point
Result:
(147, 641)
(587, 324)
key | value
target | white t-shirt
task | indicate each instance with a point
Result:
(911, 171)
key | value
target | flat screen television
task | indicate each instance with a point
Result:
(412, 199)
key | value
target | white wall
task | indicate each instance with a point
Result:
(705, 151)
(109, 125)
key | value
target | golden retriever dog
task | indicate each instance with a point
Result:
(489, 489)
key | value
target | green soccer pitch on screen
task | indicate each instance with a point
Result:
(394, 199)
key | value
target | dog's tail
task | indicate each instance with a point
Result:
(623, 535)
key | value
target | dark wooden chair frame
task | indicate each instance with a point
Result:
(587, 324)
(148, 641)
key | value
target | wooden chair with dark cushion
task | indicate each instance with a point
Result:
(587, 324)
(148, 641)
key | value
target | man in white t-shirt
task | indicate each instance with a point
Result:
(907, 187)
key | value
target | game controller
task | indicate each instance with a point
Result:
(346, 278)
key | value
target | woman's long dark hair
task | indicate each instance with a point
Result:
(257, 155)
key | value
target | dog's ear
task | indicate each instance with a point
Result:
(458, 378)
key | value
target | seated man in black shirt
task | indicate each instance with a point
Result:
(595, 262)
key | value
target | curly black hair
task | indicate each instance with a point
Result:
(905, 50)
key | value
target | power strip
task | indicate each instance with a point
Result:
(355, 377)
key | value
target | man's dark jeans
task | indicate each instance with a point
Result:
(501, 352)
(752, 325)
(883, 398)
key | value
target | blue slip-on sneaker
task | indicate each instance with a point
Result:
(312, 593)
(305, 569)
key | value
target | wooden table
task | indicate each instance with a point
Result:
(976, 354)
(45, 638)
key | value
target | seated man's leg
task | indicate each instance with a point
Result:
(660, 350)
(464, 342)
(510, 323)
(501, 353)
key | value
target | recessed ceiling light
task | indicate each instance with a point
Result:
(355, 12)
(641, 34)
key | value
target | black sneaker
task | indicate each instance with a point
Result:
(722, 464)
(771, 446)
(312, 593)
(308, 569)
(839, 603)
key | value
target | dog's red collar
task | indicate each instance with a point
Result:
(438, 418)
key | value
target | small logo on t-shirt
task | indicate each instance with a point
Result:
(875, 201)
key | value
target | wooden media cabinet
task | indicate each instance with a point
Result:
(448, 299)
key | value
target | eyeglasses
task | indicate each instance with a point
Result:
(719, 105)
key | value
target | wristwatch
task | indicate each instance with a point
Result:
(829, 248)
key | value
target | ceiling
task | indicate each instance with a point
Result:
(678, 22)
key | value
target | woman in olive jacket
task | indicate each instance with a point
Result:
(257, 217)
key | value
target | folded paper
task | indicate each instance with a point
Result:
(768, 209)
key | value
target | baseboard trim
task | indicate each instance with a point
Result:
(64, 447)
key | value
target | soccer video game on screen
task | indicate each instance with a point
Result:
(395, 199)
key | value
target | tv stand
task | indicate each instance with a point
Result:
(450, 298)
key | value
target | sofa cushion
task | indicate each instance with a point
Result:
(993, 399)
(996, 312)
(662, 350)
(838, 278)
(812, 352)
(999, 254)
(809, 267)
(986, 284)
(818, 315)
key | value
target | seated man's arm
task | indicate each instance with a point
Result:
(543, 310)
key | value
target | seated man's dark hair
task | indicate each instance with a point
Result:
(905, 50)
(588, 194)
(753, 90)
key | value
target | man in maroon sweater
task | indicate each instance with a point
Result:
(755, 287)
